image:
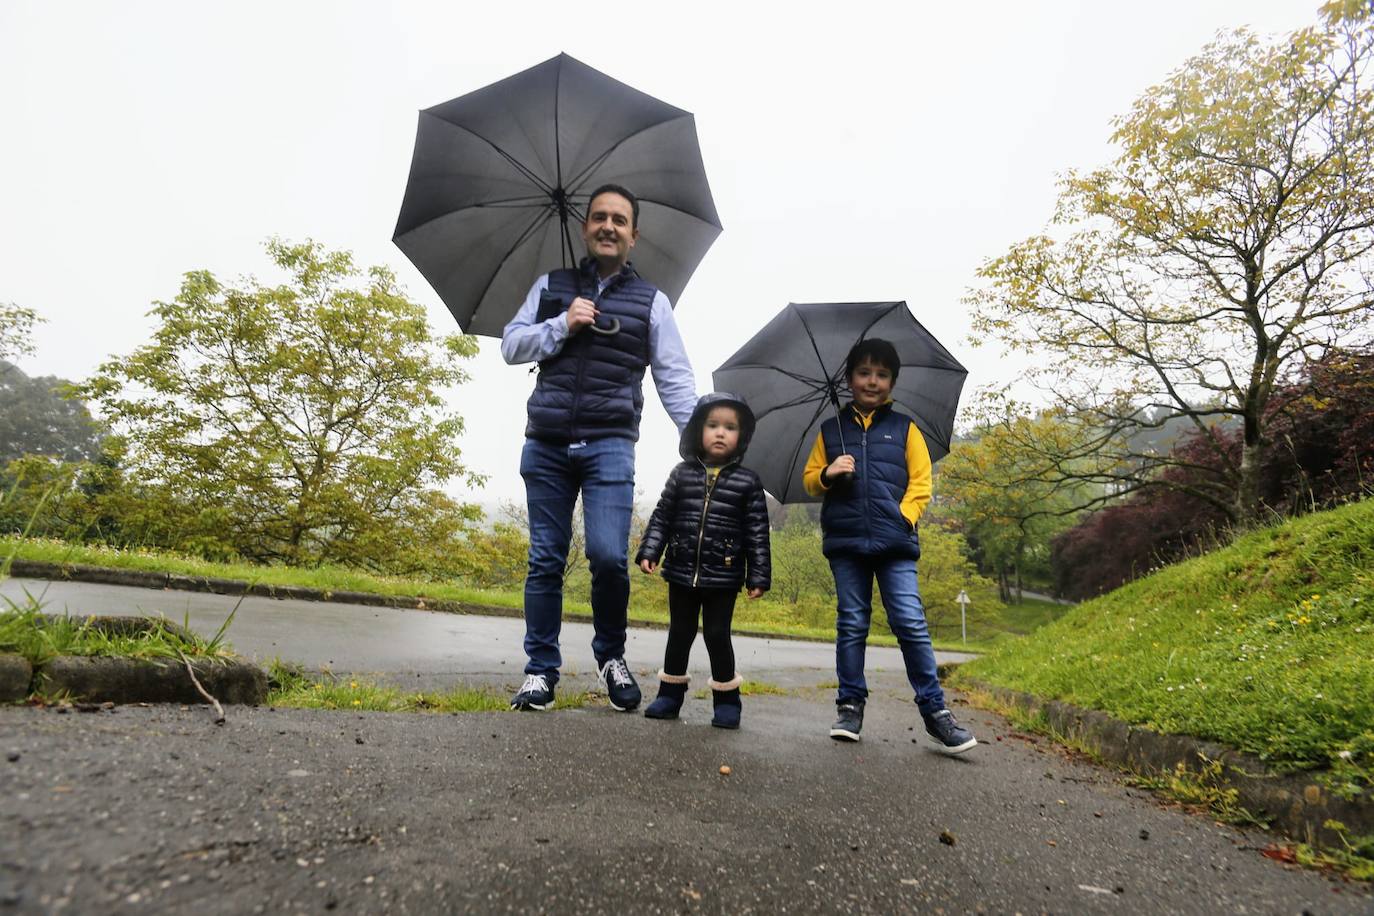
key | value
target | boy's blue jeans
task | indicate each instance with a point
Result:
(906, 618)
(604, 470)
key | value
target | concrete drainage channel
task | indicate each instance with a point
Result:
(1294, 804)
(103, 679)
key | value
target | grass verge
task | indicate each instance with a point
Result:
(1264, 646)
(25, 630)
(293, 688)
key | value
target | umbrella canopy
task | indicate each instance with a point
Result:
(792, 374)
(499, 182)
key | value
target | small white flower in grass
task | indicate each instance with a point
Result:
(1345, 755)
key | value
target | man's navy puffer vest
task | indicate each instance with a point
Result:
(593, 388)
(864, 514)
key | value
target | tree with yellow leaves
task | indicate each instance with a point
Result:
(1230, 243)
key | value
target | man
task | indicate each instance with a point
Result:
(593, 330)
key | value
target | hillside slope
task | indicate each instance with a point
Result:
(1266, 645)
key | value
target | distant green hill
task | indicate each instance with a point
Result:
(1266, 645)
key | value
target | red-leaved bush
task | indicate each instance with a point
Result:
(1320, 452)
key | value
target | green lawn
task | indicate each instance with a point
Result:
(1266, 645)
(1032, 613)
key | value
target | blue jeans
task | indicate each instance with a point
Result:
(604, 470)
(906, 618)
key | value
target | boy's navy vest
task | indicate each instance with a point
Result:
(864, 515)
(593, 388)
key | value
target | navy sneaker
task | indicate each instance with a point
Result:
(621, 689)
(850, 721)
(948, 736)
(535, 693)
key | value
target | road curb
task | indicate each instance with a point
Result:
(100, 679)
(1297, 804)
(16, 674)
(124, 679)
(138, 578)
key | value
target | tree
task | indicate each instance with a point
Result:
(1005, 500)
(799, 568)
(36, 419)
(16, 324)
(945, 570)
(301, 422)
(1323, 429)
(1228, 243)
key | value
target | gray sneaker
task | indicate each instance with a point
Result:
(850, 721)
(947, 735)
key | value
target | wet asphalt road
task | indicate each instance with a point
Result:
(157, 810)
(154, 809)
(425, 649)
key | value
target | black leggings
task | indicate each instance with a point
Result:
(717, 606)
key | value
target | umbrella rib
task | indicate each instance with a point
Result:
(596, 163)
(519, 166)
(557, 135)
(830, 385)
(796, 452)
(536, 200)
(667, 206)
(798, 401)
(530, 230)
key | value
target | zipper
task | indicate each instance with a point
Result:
(581, 366)
(868, 509)
(701, 525)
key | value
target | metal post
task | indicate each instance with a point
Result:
(963, 612)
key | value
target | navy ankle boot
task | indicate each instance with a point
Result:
(672, 688)
(727, 703)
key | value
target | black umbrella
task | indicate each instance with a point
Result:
(791, 373)
(499, 182)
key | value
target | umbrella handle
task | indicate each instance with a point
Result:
(614, 328)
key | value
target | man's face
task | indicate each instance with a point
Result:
(608, 231)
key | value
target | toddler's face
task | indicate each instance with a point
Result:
(720, 434)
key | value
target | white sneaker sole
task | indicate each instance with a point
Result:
(952, 751)
(844, 734)
(606, 688)
(523, 706)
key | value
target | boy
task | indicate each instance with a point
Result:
(876, 485)
(712, 522)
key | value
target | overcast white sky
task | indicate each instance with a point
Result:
(856, 150)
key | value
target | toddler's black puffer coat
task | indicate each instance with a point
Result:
(711, 535)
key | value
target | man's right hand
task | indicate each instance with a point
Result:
(648, 566)
(581, 313)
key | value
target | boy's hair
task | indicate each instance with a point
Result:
(623, 192)
(875, 350)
